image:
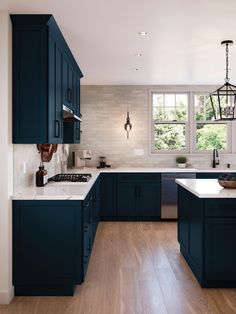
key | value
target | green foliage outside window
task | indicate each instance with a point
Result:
(170, 112)
(170, 137)
(210, 136)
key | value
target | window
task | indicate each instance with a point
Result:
(170, 116)
(184, 122)
(210, 134)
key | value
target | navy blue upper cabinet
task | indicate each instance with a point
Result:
(41, 84)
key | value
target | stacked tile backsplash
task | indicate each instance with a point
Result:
(104, 113)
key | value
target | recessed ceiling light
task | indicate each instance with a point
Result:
(142, 33)
(135, 69)
(137, 54)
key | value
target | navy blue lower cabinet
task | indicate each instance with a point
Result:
(108, 196)
(138, 196)
(91, 217)
(148, 199)
(52, 243)
(207, 238)
(126, 199)
(47, 247)
(88, 222)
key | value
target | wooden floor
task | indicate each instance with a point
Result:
(134, 268)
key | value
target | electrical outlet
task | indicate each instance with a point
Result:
(138, 152)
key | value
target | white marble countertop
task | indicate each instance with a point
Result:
(206, 188)
(58, 191)
(165, 169)
(78, 191)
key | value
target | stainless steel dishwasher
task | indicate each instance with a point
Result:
(169, 193)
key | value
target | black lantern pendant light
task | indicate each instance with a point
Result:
(223, 100)
(128, 125)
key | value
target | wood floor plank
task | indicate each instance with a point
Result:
(135, 268)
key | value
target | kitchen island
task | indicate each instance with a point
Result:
(207, 230)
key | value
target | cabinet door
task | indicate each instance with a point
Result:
(67, 83)
(108, 196)
(65, 80)
(97, 204)
(55, 119)
(220, 259)
(77, 108)
(71, 92)
(126, 199)
(148, 200)
(47, 242)
(183, 218)
(88, 235)
(71, 88)
(30, 76)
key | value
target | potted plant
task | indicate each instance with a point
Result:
(181, 161)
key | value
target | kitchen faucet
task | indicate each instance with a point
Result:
(215, 159)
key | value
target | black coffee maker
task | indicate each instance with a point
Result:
(103, 163)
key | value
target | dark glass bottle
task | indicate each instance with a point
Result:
(39, 176)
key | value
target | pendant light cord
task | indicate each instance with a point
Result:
(227, 63)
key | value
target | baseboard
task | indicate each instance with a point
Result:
(7, 296)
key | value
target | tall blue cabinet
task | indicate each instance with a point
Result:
(42, 82)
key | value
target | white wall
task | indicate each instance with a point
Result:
(6, 160)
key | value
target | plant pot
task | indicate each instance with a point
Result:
(182, 165)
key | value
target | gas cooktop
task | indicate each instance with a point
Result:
(70, 177)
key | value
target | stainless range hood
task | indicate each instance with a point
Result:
(69, 116)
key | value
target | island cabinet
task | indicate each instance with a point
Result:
(209, 175)
(138, 196)
(207, 237)
(52, 243)
(41, 83)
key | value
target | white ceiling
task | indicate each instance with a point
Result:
(182, 45)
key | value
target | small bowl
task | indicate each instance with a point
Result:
(227, 184)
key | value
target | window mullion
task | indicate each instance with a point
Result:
(191, 123)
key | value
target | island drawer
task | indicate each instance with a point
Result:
(220, 207)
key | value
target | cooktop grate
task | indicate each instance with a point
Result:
(70, 177)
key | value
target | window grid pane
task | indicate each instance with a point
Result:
(170, 136)
(170, 107)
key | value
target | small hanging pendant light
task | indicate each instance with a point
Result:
(223, 100)
(128, 125)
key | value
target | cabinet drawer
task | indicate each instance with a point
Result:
(150, 177)
(220, 207)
